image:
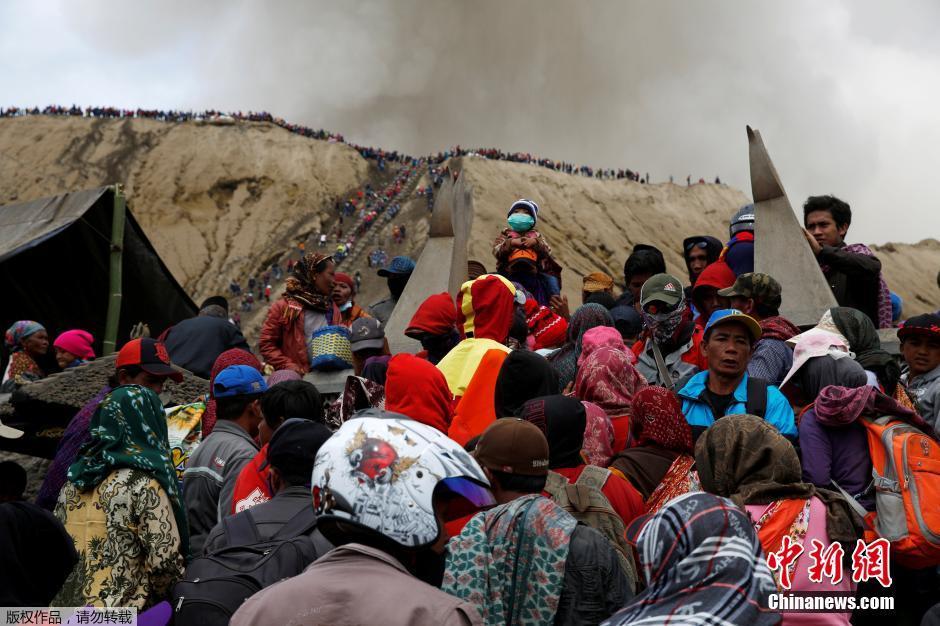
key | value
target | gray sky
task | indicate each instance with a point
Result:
(844, 92)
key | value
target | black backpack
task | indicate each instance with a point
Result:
(215, 585)
(756, 396)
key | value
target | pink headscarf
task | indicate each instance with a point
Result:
(602, 337)
(608, 379)
(598, 436)
(78, 342)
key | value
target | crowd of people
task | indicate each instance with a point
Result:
(678, 453)
(381, 157)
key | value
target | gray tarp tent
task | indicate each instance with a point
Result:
(56, 261)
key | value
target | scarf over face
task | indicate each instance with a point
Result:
(744, 458)
(128, 430)
(300, 286)
(565, 360)
(510, 561)
(415, 388)
(822, 371)
(523, 375)
(657, 420)
(608, 379)
(563, 420)
(235, 356)
(840, 406)
(703, 565)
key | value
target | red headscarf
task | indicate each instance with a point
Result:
(437, 315)
(608, 379)
(657, 419)
(235, 356)
(415, 388)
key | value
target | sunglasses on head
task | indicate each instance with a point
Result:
(696, 244)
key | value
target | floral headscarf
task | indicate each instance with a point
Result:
(19, 331)
(299, 285)
(510, 561)
(608, 379)
(565, 360)
(598, 436)
(657, 419)
(128, 430)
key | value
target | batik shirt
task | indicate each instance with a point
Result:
(127, 541)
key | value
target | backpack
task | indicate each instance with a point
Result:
(215, 585)
(756, 397)
(906, 479)
(585, 501)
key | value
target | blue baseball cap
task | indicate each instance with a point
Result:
(239, 380)
(726, 316)
(398, 265)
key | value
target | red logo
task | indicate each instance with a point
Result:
(161, 353)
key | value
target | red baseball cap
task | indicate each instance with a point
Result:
(149, 355)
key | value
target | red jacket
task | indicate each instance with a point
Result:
(282, 342)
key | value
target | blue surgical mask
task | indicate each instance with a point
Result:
(521, 222)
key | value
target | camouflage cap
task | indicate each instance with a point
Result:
(763, 288)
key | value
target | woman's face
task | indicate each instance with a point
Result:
(64, 358)
(341, 293)
(324, 280)
(37, 344)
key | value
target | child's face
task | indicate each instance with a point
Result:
(921, 352)
(520, 209)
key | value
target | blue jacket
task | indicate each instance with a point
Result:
(699, 414)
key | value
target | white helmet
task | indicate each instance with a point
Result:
(380, 473)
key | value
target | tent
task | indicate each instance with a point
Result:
(57, 264)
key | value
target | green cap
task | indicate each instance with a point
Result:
(763, 288)
(663, 288)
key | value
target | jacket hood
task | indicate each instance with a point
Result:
(485, 307)
(416, 388)
(436, 316)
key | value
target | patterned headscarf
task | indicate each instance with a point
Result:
(744, 458)
(510, 561)
(235, 356)
(703, 564)
(657, 420)
(608, 379)
(129, 430)
(300, 287)
(565, 360)
(19, 331)
(598, 436)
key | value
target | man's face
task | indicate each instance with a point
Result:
(144, 379)
(745, 305)
(822, 227)
(636, 283)
(341, 293)
(698, 260)
(728, 349)
(708, 301)
(921, 352)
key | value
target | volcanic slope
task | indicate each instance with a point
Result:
(221, 202)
